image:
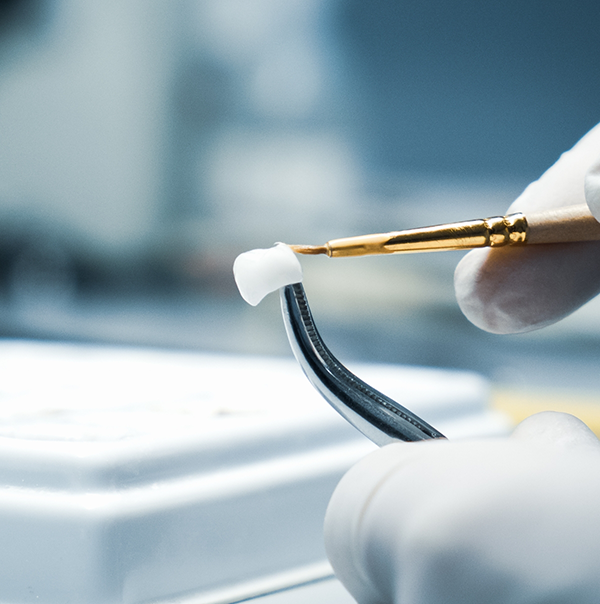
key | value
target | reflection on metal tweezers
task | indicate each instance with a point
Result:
(377, 416)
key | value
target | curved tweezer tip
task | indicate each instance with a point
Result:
(378, 417)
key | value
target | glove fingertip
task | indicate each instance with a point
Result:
(557, 429)
(592, 189)
(481, 299)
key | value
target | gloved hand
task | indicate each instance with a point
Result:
(508, 520)
(507, 290)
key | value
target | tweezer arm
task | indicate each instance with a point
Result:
(377, 416)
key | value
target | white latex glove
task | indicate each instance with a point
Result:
(507, 290)
(511, 520)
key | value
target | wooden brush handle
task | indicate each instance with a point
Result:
(573, 223)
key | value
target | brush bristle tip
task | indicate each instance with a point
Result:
(309, 249)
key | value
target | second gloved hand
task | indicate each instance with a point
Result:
(502, 520)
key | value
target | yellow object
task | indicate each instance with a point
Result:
(519, 405)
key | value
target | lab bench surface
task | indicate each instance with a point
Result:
(329, 591)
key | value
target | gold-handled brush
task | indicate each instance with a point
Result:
(569, 224)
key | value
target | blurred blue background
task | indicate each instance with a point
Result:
(145, 143)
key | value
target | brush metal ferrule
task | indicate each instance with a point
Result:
(489, 232)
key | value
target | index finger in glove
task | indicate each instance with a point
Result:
(509, 290)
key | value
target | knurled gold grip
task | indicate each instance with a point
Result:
(506, 230)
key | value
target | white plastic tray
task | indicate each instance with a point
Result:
(131, 476)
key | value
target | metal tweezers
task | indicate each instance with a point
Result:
(377, 416)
